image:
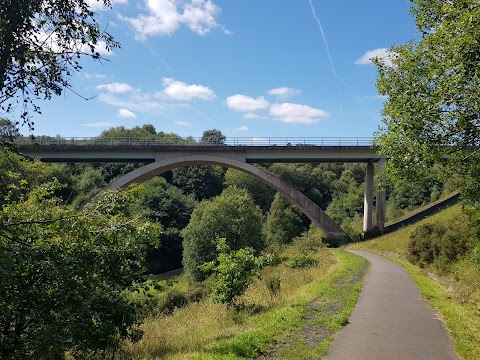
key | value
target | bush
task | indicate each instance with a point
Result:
(273, 283)
(439, 244)
(301, 261)
(310, 241)
(233, 271)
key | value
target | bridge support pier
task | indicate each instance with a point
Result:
(381, 197)
(368, 198)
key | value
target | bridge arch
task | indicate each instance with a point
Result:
(307, 206)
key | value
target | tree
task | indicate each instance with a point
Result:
(41, 42)
(433, 87)
(213, 137)
(203, 181)
(63, 274)
(233, 215)
(262, 193)
(283, 222)
(165, 204)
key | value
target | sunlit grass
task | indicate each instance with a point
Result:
(397, 242)
(204, 330)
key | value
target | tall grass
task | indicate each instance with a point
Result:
(205, 330)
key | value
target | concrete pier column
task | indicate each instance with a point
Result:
(368, 199)
(381, 197)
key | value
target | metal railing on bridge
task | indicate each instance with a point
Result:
(193, 141)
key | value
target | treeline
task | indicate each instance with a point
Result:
(171, 198)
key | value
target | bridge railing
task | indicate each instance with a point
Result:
(192, 141)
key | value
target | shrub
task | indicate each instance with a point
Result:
(439, 244)
(309, 241)
(301, 261)
(233, 271)
(273, 283)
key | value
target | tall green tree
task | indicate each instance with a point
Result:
(63, 274)
(433, 87)
(262, 193)
(41, 42)
(233, 215)
(284, 222)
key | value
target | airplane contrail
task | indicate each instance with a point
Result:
(323, 36)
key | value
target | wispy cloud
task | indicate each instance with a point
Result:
(116, 88)
(381, 53)
(323, 36)
(94, 76)
(164, 17)
(297, 113)
(139, 102)
(283, 92)
(99, 124)
(245, 103)
(242, 128)
(182, 123)
(251, 116)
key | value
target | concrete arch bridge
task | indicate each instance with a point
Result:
(238, 155)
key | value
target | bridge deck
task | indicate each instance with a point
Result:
(149, 153)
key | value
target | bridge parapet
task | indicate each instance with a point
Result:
(193, 141)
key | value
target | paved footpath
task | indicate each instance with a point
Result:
(391, 320)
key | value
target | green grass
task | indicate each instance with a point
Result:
(204, 330)
(454, 291)
(397, 242)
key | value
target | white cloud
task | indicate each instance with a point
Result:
(178, 90)
(182, 123)
(116, 88)
(244, 103)
(139, 102)
(164, 17)
(251, 116)
(97, 5)
(242, 128)
(283, 92)
(381, 53)
(297, 113)
(125, 114)
(99, 124)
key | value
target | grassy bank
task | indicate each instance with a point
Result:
(454, 289)
(205, 330)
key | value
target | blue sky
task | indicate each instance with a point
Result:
(251, 68)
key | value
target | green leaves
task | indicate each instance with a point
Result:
(233, 271)
(52, 35)
(63, 273)
(433, 89)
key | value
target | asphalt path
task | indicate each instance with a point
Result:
(391, 320)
